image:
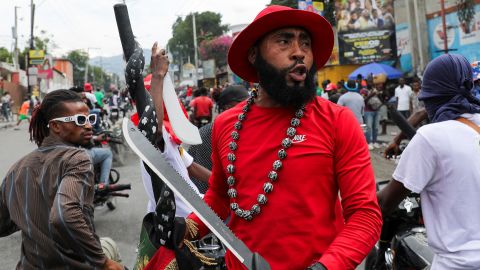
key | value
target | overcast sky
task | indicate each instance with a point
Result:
(83, 24)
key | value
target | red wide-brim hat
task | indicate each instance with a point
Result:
(272, 18)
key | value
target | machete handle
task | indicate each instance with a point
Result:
(125, 30)
(138, 94)
(402, 123)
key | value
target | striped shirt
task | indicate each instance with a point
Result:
(202, 154)
(48, 195)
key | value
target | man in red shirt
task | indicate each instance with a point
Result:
(202, 107)
(298, 186)
(291, 170)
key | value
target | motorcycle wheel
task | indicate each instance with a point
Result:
(114, 176)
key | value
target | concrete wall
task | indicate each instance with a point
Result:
(17, 92)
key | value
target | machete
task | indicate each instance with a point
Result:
(153, 158)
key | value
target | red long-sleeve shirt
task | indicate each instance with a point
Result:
(303, 220)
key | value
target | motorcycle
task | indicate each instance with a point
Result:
(114, 140)
(103, 194)
(211, 247)
(103, 197)
(403, 244)
(202, 121)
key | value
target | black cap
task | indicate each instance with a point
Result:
(232, 93)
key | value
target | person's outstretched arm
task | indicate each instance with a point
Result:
(159, 67)
(414, 120)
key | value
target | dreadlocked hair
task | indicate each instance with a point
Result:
(51, 107)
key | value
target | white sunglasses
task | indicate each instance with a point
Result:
(79, 119)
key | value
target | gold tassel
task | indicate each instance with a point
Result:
(192, 228)
(172, 265)
(204, 259)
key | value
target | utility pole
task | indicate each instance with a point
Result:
(85, 79)
(195, 48)
(419, 35)
(86, 65)
(101, 71)
(444, 25)
(32, 46)
(15, 36)
(31, 24)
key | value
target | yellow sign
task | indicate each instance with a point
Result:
(318, 6)
(36, 54)
(35, 91)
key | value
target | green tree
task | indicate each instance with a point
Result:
(466, 13)
(208, 26)
(98, 76)
(79, 59)
(287, 3)
(5, 55)
(44, 41)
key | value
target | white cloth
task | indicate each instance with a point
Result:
(91, 97)
(172, 154)
(114, 104)
(403, 97)
(442, 164)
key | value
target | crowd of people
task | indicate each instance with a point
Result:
(288, 155)
(368, 100)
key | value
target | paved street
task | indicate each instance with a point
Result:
(122, 224)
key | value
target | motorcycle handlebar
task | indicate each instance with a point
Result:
(111, 188)
(117, 194)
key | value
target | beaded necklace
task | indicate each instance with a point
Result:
(277, 164)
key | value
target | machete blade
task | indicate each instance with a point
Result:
(153, 158)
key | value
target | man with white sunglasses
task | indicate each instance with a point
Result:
(99, 155)
(48, 194)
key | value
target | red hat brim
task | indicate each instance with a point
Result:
(319, 28)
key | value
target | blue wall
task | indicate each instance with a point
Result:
(466, 44)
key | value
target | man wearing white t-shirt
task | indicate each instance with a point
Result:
(403, 93)
(169, 145)
(441, 163)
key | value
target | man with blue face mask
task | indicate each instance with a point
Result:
(440, 163)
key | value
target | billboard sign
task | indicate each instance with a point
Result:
(209, 69)
(461, 37)
(366, 31)
(36, 54)
(366, 47)
(313, 6)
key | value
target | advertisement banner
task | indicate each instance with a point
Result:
(366, 31)
(461, 37)
(366, 47)
(209, 69)
(404, 51)
(313, 6)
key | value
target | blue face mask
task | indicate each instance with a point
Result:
(446, 88)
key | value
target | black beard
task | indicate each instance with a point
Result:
(274, 82)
